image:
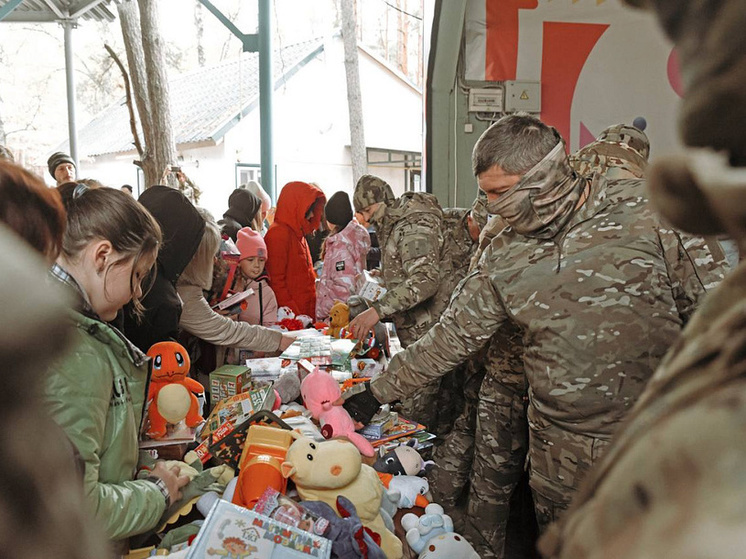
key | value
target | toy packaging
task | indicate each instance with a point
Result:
(370, 288)
(274, 504)
(228, 380)
(233, 531)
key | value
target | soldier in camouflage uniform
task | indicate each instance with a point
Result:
(672, 484)
(411, 239)
(620, 152)
(598, 284)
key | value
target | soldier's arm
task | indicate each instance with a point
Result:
(418, 245)
(692, 268)
(472, 317)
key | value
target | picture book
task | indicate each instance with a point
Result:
(235, 532)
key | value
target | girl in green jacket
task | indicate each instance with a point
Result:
(96, 393)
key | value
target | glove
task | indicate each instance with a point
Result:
(360, 403)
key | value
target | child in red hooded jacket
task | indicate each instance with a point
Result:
(289, 264)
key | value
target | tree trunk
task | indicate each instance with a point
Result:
(200, 27)
(129, 18)
(354, 97)
(161, 143)
(403, 38)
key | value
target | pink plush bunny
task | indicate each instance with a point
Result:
(323, 398)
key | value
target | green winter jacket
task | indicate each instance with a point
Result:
(96, 394)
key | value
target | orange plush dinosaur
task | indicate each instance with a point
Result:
(171, 390)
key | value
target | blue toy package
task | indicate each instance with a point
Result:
(233, 531)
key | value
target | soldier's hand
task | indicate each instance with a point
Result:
(360, 403)
(364, 323)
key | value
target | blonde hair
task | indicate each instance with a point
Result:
(199, 270)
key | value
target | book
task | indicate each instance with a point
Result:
(233, 299)
(403, 428)
(233, 531)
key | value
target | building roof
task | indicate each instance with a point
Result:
(205, 103)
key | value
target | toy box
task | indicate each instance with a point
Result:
(227, 381)
(370, 288)
(274, 504)
(233, 531)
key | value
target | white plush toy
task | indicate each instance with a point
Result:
(448, 546)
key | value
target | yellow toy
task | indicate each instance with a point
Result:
(339, 317)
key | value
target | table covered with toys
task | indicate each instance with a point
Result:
(278, 467)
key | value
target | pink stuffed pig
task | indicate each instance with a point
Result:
(323, 398)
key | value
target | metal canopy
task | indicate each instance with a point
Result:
(36, 11)
(66, 13)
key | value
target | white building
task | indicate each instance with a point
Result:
(215, 113)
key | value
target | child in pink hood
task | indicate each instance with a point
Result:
(261, 307)
(344, 254)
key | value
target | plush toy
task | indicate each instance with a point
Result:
(350, 539)
(420, 530)
(287, 320)
(412, 490)
(339, 317)
(323, 398)
(448, 546)
(403, 460)
(324, 471)
(170, 394)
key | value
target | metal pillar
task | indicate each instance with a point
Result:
(260, 42)
(68, 26)
(265, 96)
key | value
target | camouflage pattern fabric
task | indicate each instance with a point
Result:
(411, 240)
(620, 152)
(370, 190)
(496, 418)
(599, 306)
(672, 483)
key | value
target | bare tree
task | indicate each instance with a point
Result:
(354, 96)
(146, 60)
(200, 27)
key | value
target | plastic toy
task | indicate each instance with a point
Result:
(339, 317)
(411, 490)
(260, 465)
(323, 398)
(324, 471)
(449, 546)
(403, 460)
(348, 535)
(430, 525)
(171, 390)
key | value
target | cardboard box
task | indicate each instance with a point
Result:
(227, 381)
(370, 288)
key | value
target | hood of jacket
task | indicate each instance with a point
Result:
(181, 225)
(544, 200)
(296, 198)
(243, 206)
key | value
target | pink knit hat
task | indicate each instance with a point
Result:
(250, 243)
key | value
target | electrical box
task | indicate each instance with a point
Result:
(522, 96)
(486, 100)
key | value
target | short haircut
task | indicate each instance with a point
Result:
(199, 270)
(32, 210)
(516, 143)
(126, 187)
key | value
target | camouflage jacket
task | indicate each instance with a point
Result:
(619, 152)
(681, 449)
(599, 305)
(411, 239)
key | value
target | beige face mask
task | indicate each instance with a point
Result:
(544, 199)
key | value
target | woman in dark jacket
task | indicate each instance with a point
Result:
(182, 229)
(244, 210)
